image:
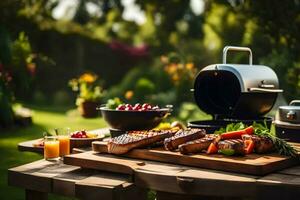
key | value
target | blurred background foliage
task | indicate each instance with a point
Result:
(141, 50)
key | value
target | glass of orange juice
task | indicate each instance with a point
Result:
(63, 135)
(51, 148)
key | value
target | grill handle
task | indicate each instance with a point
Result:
(265, 90)
(234, 48)
(295, 103)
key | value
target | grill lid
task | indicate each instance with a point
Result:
(235, 90)
(290, 113)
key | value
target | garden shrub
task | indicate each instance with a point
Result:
(16, 71)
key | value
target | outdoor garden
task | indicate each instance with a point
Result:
(61, 59)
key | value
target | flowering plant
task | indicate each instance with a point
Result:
(88, 87)
(178, 69)
(181, 73)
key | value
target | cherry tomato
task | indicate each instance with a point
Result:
(121, 107)
(137, 106)
(128, 108)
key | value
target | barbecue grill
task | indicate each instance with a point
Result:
(235, 92)
(287, 121)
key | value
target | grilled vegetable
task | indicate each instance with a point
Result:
(236, 145)
(212, 149)
(198, 145)
(280, 145)
(233, 135)
(249, 146)
(262, 144)
(227, 152)
(183, 136)
(237, 134)
(249, 130)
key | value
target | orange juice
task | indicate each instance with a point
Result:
(64, 145)
(51, 149)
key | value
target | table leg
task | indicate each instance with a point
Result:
(35, 195)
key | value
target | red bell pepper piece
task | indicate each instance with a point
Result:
(249, 130)
(233, 135)
(237, 134)
(212, 149)
(249, 146)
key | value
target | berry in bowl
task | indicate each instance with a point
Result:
(134, 117)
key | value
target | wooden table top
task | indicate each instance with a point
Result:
(194, 181)
(58, 178)
(172, 178)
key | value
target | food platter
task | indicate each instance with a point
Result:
(86, 142)
(254, 164)
(192, 147)
(37, 144)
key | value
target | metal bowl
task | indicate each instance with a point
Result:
(133, 120)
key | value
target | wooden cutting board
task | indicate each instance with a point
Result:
(254, 164)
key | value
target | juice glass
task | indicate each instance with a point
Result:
(64, 141)
(51, 148)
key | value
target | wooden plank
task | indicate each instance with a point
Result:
(159, 177)
(81, 150)
(250, 164)
(64, 184)
(108, 186)
(37, 176)
(131, 191)
(207, 182)
(91, 184)
(295, 171)
(185, 180)
(278, 186)
(42, 177)
(194, 181)
(28, 146)
(109, 163)
(173, 178)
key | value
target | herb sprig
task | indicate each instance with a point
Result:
(281, 146)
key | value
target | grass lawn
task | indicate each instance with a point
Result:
(45, 118)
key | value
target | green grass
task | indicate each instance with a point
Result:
(45, 118)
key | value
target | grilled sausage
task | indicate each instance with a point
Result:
(196, 146)
(183, 136)
(262, 144)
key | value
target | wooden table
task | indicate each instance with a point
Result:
(190, 182)
(42, 177)
(170, 181)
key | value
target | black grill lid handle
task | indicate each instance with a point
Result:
(234, 48)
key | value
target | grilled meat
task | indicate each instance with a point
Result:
(234, 144)
(262, 144)
(134, 139)
(198, 145)
(183, 136)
